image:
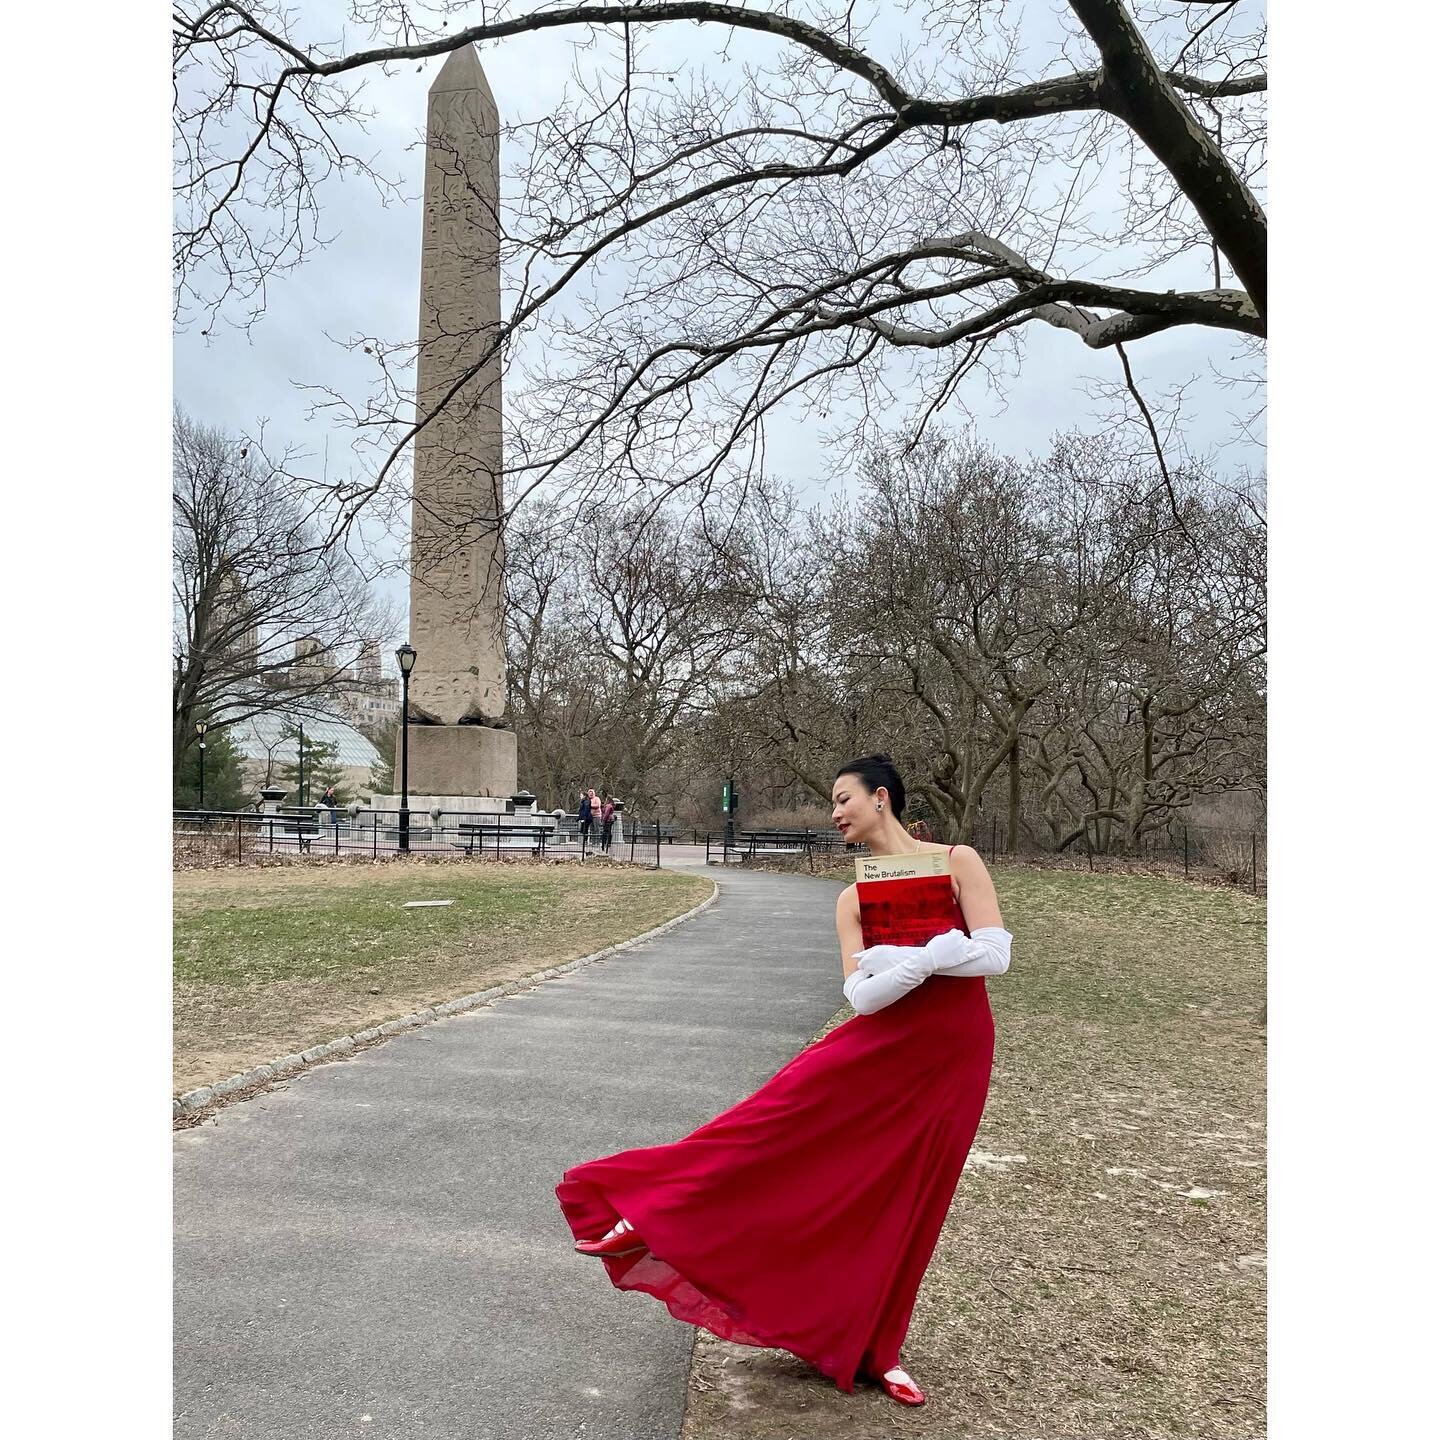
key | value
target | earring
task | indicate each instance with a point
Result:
(879, 807)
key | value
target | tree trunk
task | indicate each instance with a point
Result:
(1012, 817)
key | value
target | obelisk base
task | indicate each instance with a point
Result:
(471, 760)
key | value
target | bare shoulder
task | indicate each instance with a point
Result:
(974, 888)
(965, 858)
(848, 902)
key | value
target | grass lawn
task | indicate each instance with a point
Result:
(270, 961)
(1102, 1270)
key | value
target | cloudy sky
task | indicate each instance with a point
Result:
(367, 282)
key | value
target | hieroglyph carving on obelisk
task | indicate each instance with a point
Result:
(455, 550)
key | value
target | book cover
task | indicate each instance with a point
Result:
(902, 867)
(908, 910)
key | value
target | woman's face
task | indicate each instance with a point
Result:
(853, 807)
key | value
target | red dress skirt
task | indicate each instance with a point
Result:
(803, 1218)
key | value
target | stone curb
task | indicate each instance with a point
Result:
(287, 1065)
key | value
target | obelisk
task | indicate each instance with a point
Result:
(458, 688)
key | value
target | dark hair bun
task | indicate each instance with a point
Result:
(874, 771)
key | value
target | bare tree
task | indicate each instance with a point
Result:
(621, 631)
(1044, 643)
(251, 576)
(836, 225)
(1166, 704)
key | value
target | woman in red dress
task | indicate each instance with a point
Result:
(803, 1218)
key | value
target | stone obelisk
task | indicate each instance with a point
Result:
(458, 689)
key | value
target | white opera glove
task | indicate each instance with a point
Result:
(885, 957)
(985, 951)
(886, 973)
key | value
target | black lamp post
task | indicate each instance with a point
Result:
(405, 656)
(302, 762)
(731, 805)
(201, 727)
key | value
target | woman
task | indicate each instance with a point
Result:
(607, 823)
(585, 816)
(803, 1218)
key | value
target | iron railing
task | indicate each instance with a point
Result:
(235, 836)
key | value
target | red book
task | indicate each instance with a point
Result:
(909, 910)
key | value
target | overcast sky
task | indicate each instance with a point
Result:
(367, 281)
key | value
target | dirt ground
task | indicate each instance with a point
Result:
(1102, 1270)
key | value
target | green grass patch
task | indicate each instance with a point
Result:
(269, 961)
(313, 929)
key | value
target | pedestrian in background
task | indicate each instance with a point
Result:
(586, 815)
(607, 822)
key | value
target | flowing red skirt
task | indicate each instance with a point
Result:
(803, 1218)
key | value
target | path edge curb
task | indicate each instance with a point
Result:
(285, 1066)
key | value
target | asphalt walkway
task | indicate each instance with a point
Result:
(375, 1250)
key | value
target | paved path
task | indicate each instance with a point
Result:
(376, 1249)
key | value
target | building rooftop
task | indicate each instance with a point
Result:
(260, 736)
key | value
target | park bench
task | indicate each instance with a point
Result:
(304, 825)
(779, 842)
(499, 838)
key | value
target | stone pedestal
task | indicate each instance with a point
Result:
(461, 760)
(457, 808)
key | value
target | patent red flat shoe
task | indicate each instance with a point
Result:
(622, 1240)
(903, 1391)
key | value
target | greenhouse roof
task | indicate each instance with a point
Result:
(260, 736)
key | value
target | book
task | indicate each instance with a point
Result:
(906, 899)
(902, 867)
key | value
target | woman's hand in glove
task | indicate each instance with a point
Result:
(879, 958)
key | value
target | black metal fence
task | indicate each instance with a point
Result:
(211, 836)
(218, 837)
(1235, 855)
(204, 837)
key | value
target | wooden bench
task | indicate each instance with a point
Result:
(305, 827)
(506, 837)
(778, 842)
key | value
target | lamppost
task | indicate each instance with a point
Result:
(405, 656)
(201, 726)
(302, 762)
(731, 802)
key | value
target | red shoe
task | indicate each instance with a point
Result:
(902, 1389)
(622, 1240)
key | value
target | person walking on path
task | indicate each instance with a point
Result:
(803, 1218)
(331, 802)
(607, 822)
(585, 815)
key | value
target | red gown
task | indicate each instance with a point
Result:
(803, 1218)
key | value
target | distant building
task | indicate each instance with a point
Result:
(360, 693)
(368, 668)
(369, 706)
(311, 654)
(240, 642)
